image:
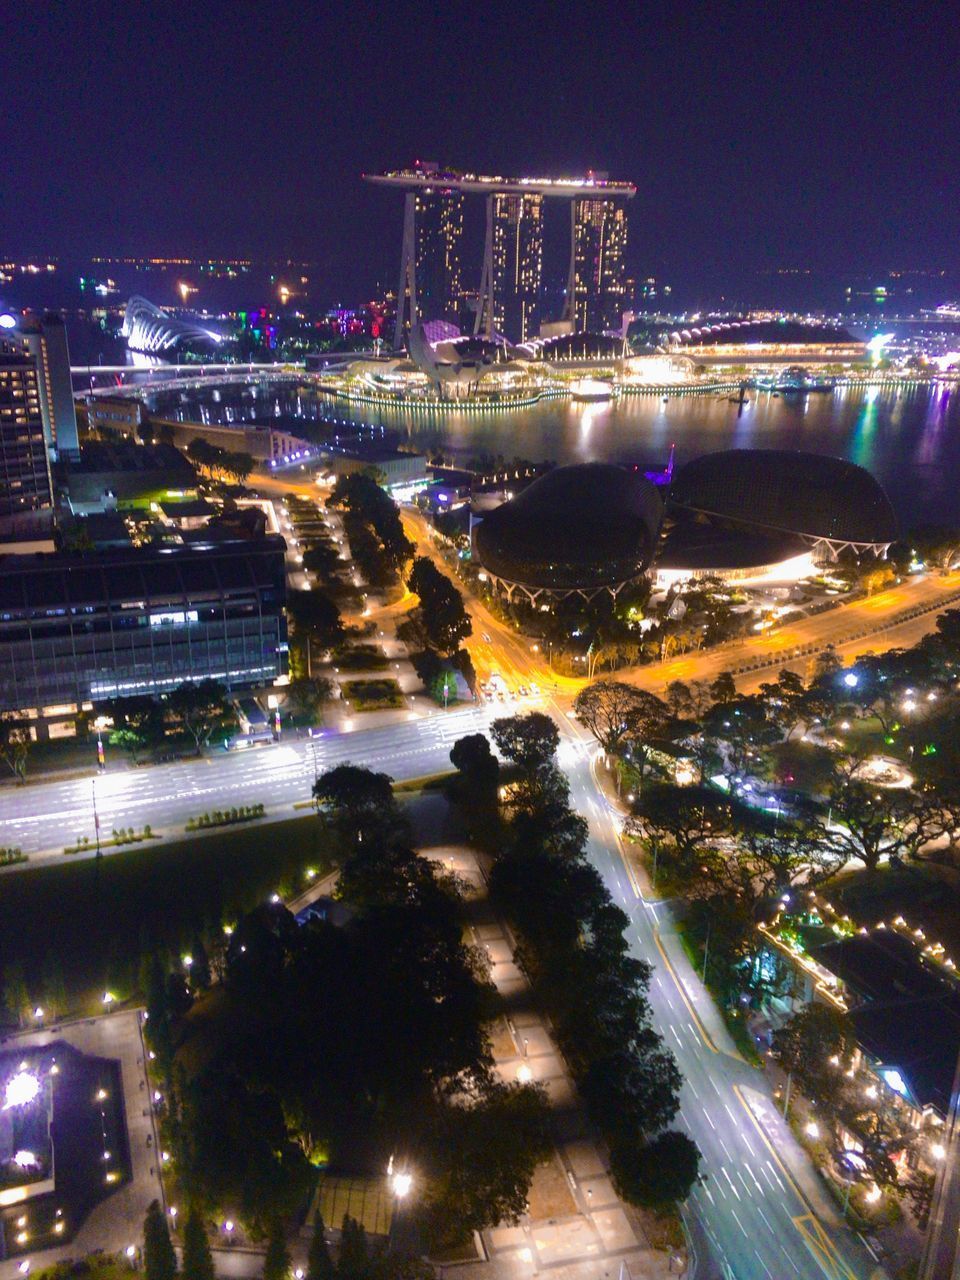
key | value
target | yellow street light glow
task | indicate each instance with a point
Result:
(402, 1183)
(938, 1151)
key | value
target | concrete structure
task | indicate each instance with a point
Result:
(513, 245)
(109, 473)
(114, 413)
(393, 466)
(261, 442)
(25, 483)
(81, 628)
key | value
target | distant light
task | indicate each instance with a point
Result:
(851, 679)
(938, 1151)
(21, 1089)
(131, 1251)
(894, 1080)
(402, 1182)
(24, 1159)
(7, 321)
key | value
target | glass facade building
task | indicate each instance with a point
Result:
(439, 250)
(517, 265)
(599, 279)
(79, 628)
(25, 483)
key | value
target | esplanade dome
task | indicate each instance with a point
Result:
(577, 528)
(819, 498)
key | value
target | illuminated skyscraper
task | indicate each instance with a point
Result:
(512, 267)
(45, 338)
(597, 282)
(431, 285)
(24, 465)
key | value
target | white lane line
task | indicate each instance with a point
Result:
(766, 1220)
(730, 1180)
(791, 1261)
(763, 1264)
(738, 1222)
(709, 1118)
(727, 1149)
(776, 1176)
(675, 1036)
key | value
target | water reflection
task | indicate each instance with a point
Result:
(909, 439)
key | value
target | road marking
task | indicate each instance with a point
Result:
(730, 1180)
(738, 1222)
(704, 1033)
(822, 1247)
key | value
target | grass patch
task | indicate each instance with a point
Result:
(429, 782)
(96, 919)
(360, 657)
(373, 695)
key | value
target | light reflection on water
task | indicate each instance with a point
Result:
(909, 438)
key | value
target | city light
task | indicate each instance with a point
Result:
(20, 1090)
(938, 1151)
(402, 1183)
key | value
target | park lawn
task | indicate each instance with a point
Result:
(373, 695)
(96, 919)
(926, 894)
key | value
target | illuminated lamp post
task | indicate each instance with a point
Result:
(100, 724)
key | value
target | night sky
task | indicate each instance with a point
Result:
(759, 136)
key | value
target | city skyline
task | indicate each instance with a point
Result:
(756, 145)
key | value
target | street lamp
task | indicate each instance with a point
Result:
(402, 1183)
(100, 724)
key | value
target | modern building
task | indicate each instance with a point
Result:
(752, 343)
(76, 629)
(830, 504)
(25, 483)
(439, 239)
(45, 339)
(391, 466)
(510, 288)
(152, 331)
(577, 530)
(123, 414)
(597, 284)
(512, 272)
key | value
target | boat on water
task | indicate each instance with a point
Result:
(591, 390)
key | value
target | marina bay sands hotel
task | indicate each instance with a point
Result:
(510, 297)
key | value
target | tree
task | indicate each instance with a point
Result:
(359, 802)
(530, 741)
(614, 711)
(16, 995)
(15, 740)
(489, 1155)
(441, 612)
(137, 723)
(200, 708)
(319, 1263)
(276, 1262)
(197, 1258)
(869, 825)
(472, 756)
(660, 1172)
(54, 991)
(807, 1044)
(316, 616)
(159, 1260)
(354, 1261)
(307, 695)
(200, 964)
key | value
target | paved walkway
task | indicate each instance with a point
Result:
(577, 1226)
(117, 1221)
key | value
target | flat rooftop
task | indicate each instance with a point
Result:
(489, 184)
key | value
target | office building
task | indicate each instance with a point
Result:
(515, 237)
(25, 483)
(76, 629)
(598, 281)
(45, 339)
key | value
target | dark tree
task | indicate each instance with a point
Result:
(315, 615)
(199, 708)
(441, 612)
(474, 759)
(159, 1260)
(614, 711)
(15, 743)
(660, 1172)
(276, 1262)
(197, 1258)
(354, 1259)
(808, 1044)
(359, 804)
(319, 1263)
(530, 741)
(137, 723)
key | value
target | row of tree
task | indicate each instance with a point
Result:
(220, 462)
(371, 519)
(573, 949)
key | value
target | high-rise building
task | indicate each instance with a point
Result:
(45, 339)
(439, 239)
(599, 245)
(25, 483)
(516, 228)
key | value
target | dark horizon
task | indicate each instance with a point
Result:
(758, 143)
